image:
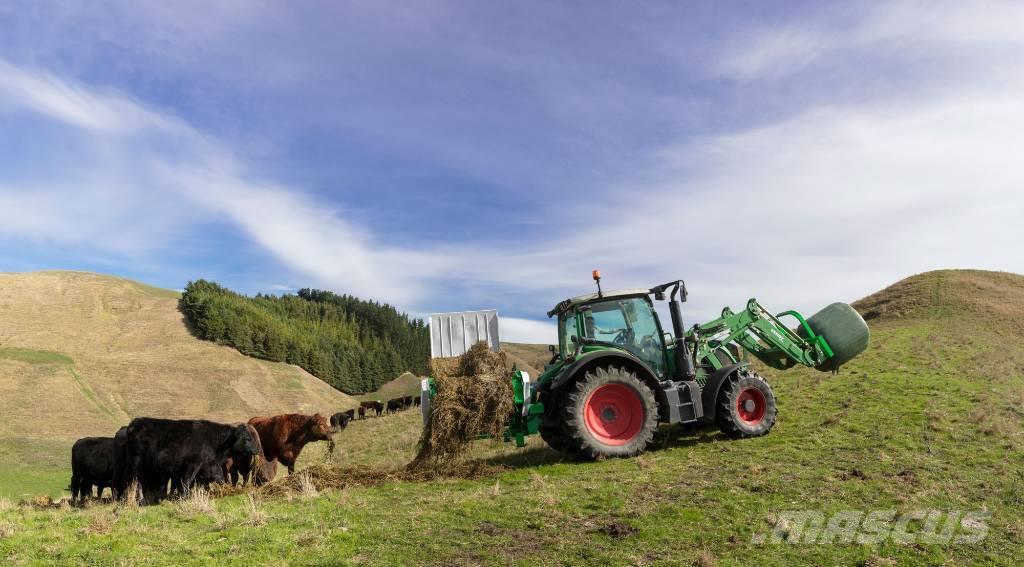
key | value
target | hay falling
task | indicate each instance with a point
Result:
(474, 397)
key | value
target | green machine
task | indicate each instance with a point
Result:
(616, 373)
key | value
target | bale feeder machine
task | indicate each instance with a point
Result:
(616, 373)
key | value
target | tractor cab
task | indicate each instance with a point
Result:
(626, 320)
(623, 320)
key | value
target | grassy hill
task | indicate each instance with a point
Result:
(408, 384)
(532, 358)
(929, 418)
(81, 354)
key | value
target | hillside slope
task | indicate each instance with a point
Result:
(993, 297)
(532, 358)
(81, 354)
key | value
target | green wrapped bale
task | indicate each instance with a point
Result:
(845, 331)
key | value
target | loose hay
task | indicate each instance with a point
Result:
(474, 397)
(324, 477)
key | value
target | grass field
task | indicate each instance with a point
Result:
(929, 418)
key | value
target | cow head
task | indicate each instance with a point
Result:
(246, 441)
(320, 428)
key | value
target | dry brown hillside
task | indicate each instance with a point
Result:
(531, 358)
(81, 354)
(993, 297)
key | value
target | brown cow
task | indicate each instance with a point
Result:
(362, 412)
(284, 436)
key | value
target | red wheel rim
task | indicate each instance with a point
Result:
(614, 414)
(750, 406)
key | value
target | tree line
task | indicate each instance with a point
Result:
(352, 344)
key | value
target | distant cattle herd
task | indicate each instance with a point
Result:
(151, 459)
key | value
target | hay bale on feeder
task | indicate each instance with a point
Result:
(445, 367)
(474, 397)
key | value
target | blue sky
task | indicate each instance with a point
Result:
(466, 155)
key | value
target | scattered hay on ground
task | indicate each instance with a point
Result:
(474, 397)
(218, 490)
(323, 477)
(257, 517)
(45, 502)
(196, 502)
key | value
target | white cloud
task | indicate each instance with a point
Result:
(515, 330)
(156, 167)
(317, 243)
(74, 104)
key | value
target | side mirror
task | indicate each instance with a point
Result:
(669, 339)
(552, 349)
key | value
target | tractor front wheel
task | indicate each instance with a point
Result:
(609, 413)
(746, 406)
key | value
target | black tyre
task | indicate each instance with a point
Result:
(746, 406)
(609, 412)
(552, 429)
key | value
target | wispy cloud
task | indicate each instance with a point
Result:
(892, 29)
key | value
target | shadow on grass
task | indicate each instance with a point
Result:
(681, 436)
(667, 437)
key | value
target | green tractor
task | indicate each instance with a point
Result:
(617, 374)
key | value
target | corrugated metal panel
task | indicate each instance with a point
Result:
(451, 334)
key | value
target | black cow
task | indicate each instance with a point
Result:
(396, 404)
(362, 412)
(211, 473)
(378, 407)
(340, 420)
(92, 464)
(240, 466)
(182, 451)
(417, 400)
(407, 401)
(121, 480)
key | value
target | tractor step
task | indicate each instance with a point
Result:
(684, 403)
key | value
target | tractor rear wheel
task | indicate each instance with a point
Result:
(746, 406)
(609, 413)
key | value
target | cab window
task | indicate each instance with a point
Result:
(630, 324)
(568, 331)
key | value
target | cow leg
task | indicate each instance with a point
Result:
(189, 481)
(76, 483)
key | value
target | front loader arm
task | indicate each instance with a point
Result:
(763, 335)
